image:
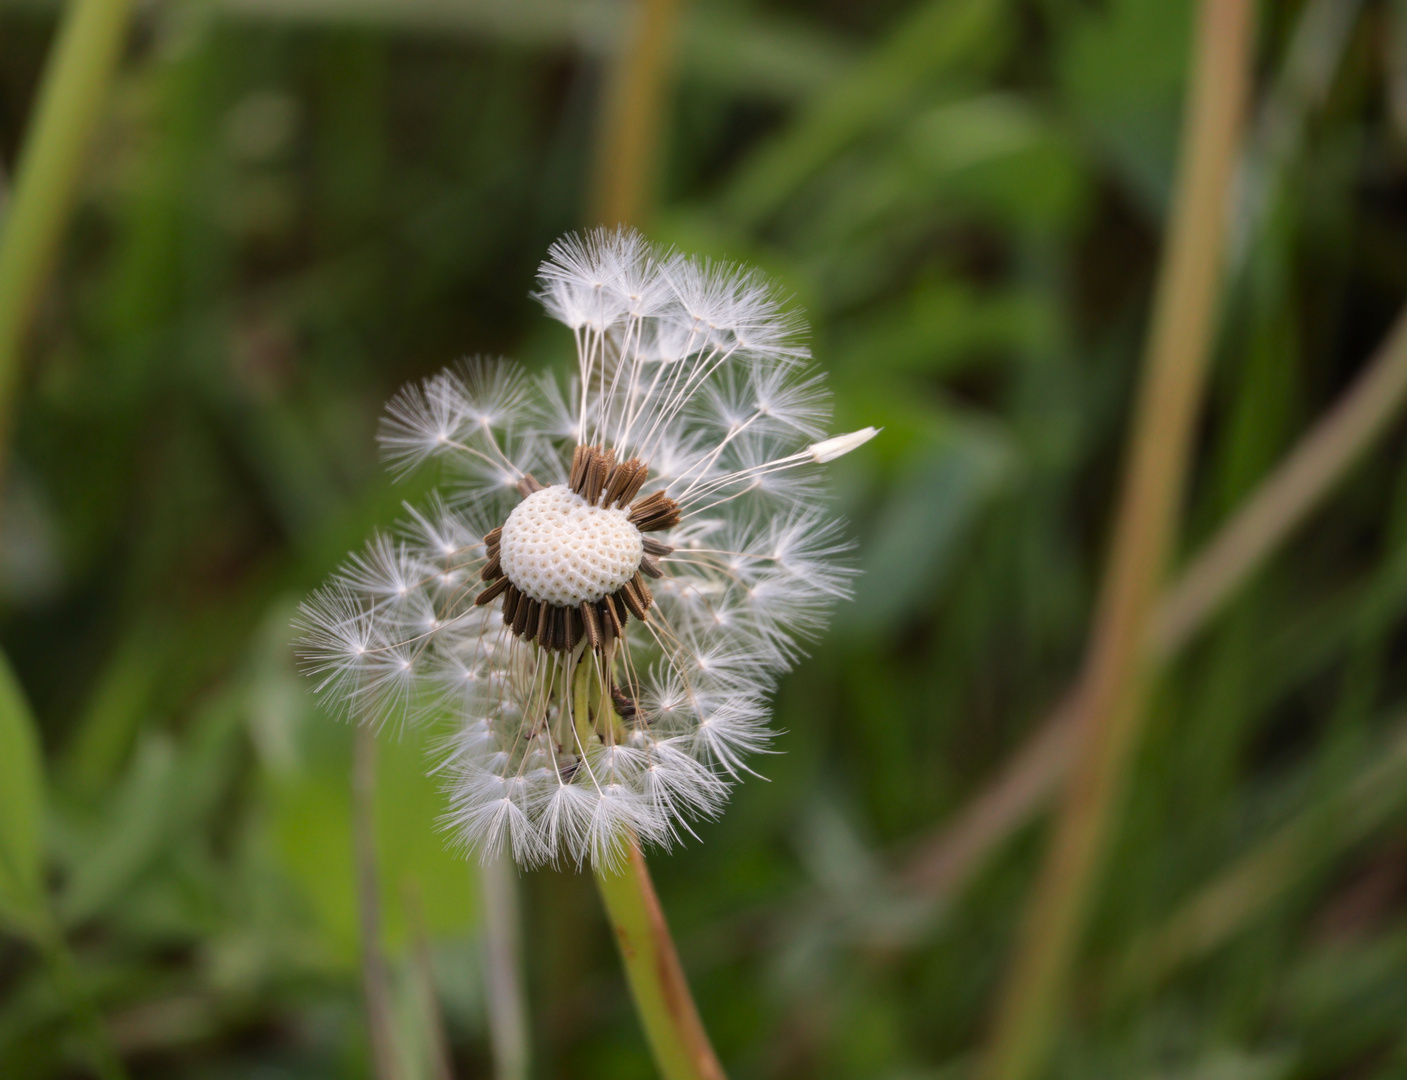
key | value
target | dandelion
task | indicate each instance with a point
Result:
(618, 567)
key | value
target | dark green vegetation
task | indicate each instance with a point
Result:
(293, 210)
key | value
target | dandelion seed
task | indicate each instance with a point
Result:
(621, 565)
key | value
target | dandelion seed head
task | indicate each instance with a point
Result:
(617, 566)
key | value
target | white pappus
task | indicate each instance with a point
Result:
(618, 568)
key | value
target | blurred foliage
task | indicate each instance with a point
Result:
(295, 206)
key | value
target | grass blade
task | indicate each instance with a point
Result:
(22, 902)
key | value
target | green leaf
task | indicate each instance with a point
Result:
(21, 808)
(168, 790)
(134, 826)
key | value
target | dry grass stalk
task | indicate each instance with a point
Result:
(1319, 461)
(1115, 677)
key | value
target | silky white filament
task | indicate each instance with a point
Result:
(561, 748)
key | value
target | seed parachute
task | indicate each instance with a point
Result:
(615, 570)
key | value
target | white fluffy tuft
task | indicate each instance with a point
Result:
(696, 368)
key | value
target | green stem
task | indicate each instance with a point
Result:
(70, 103)
(662, 999)
(661, 993)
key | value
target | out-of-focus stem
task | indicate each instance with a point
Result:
(662, 999)
(507, 1001)
(1354, 423)
(375, 980)
(631, 119)
(440, 1057)
(1280, 503)
(940, 864)
(1113, 685)
(71, 99)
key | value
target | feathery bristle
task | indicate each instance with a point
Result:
(691, 380)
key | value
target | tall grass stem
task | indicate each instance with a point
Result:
(940, 863)
(1356, 421)
(1282, 501)
(632, 117)
(71, 100)
(1116, 672)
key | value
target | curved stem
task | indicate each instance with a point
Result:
(1287, 496)
(941, 863)
(657, 984)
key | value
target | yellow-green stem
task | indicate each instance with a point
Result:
(632, 116)
(657, 985)
(71, 99)
(662, 1000)
(1114, 682)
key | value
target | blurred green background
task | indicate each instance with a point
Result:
(293, 206)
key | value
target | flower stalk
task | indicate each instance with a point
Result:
(657, 985)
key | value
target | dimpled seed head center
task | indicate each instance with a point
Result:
(559, 549)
